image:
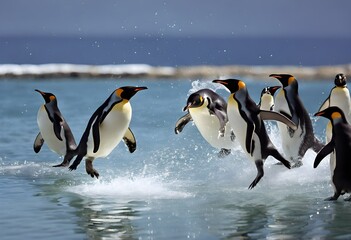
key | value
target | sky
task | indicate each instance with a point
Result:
(181, 18)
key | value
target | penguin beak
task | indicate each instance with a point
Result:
(137, 89)
(220, 81)
(275, 76)
(187, 107)
(274, 89)
(318, 114)
(42, 93)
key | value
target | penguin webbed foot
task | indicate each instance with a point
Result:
(348, 199)
(63, 164)
(224, 152)
(221, 132)
(90, 169)
(232, 136)
(73, 167)
(334, 197)
(260, 173)
(93, 173)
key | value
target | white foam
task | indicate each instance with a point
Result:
(63, 68)
(131, 188)
(198, 85)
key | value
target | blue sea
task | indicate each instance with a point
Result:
(171, 187)
(175, 51)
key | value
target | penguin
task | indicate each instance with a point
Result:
(267, 98)
(287, 102)
(208, 111)
(341, 144)
(108, 125)
(339, 96)
(54, 130)
(246, 120)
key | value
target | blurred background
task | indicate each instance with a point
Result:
(176, 33)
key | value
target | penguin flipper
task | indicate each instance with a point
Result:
(324, 105)
(327, 149)
(270, 115)
(57, 126)
(38, 143)
(180, 124)
(222, 121)
(96, 135)
(129, 140)
(249, 137)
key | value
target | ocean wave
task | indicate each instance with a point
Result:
(59, 70)
(131, 188)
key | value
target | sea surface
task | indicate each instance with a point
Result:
(175, 51)
(171, 187)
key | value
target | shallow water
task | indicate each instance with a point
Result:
(172, 187)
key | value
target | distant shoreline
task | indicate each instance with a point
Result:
(50, 71)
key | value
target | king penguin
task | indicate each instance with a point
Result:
(287, 102)
(267, 98)
(341, 144)
(208, 110)
(339, 96)
(108, 125)
(246, 120)
(54, 130)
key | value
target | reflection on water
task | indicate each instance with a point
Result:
(108, 220)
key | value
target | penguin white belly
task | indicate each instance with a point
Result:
(208, 126)
(239, 126)
(340, 97)
(290, 144)
(111, 130)
(267, 102)
(46, 128)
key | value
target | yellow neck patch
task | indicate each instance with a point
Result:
(52, 98)
(241, 84)
(291, 80)
(118, 92)
(335, 115)
(201, 99)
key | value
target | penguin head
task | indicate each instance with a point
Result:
(48, 97)
(340, 80)
(233, 85)
(194, 100)
(332, 113)
(128, 92)
(285, 79)
(270, 90)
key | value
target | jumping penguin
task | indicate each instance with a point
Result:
(54, 130)
(267, 98)
(340, 97)
(341, 144)
(208, 110)
(246, 120)
(287, 102)
(108, 125)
